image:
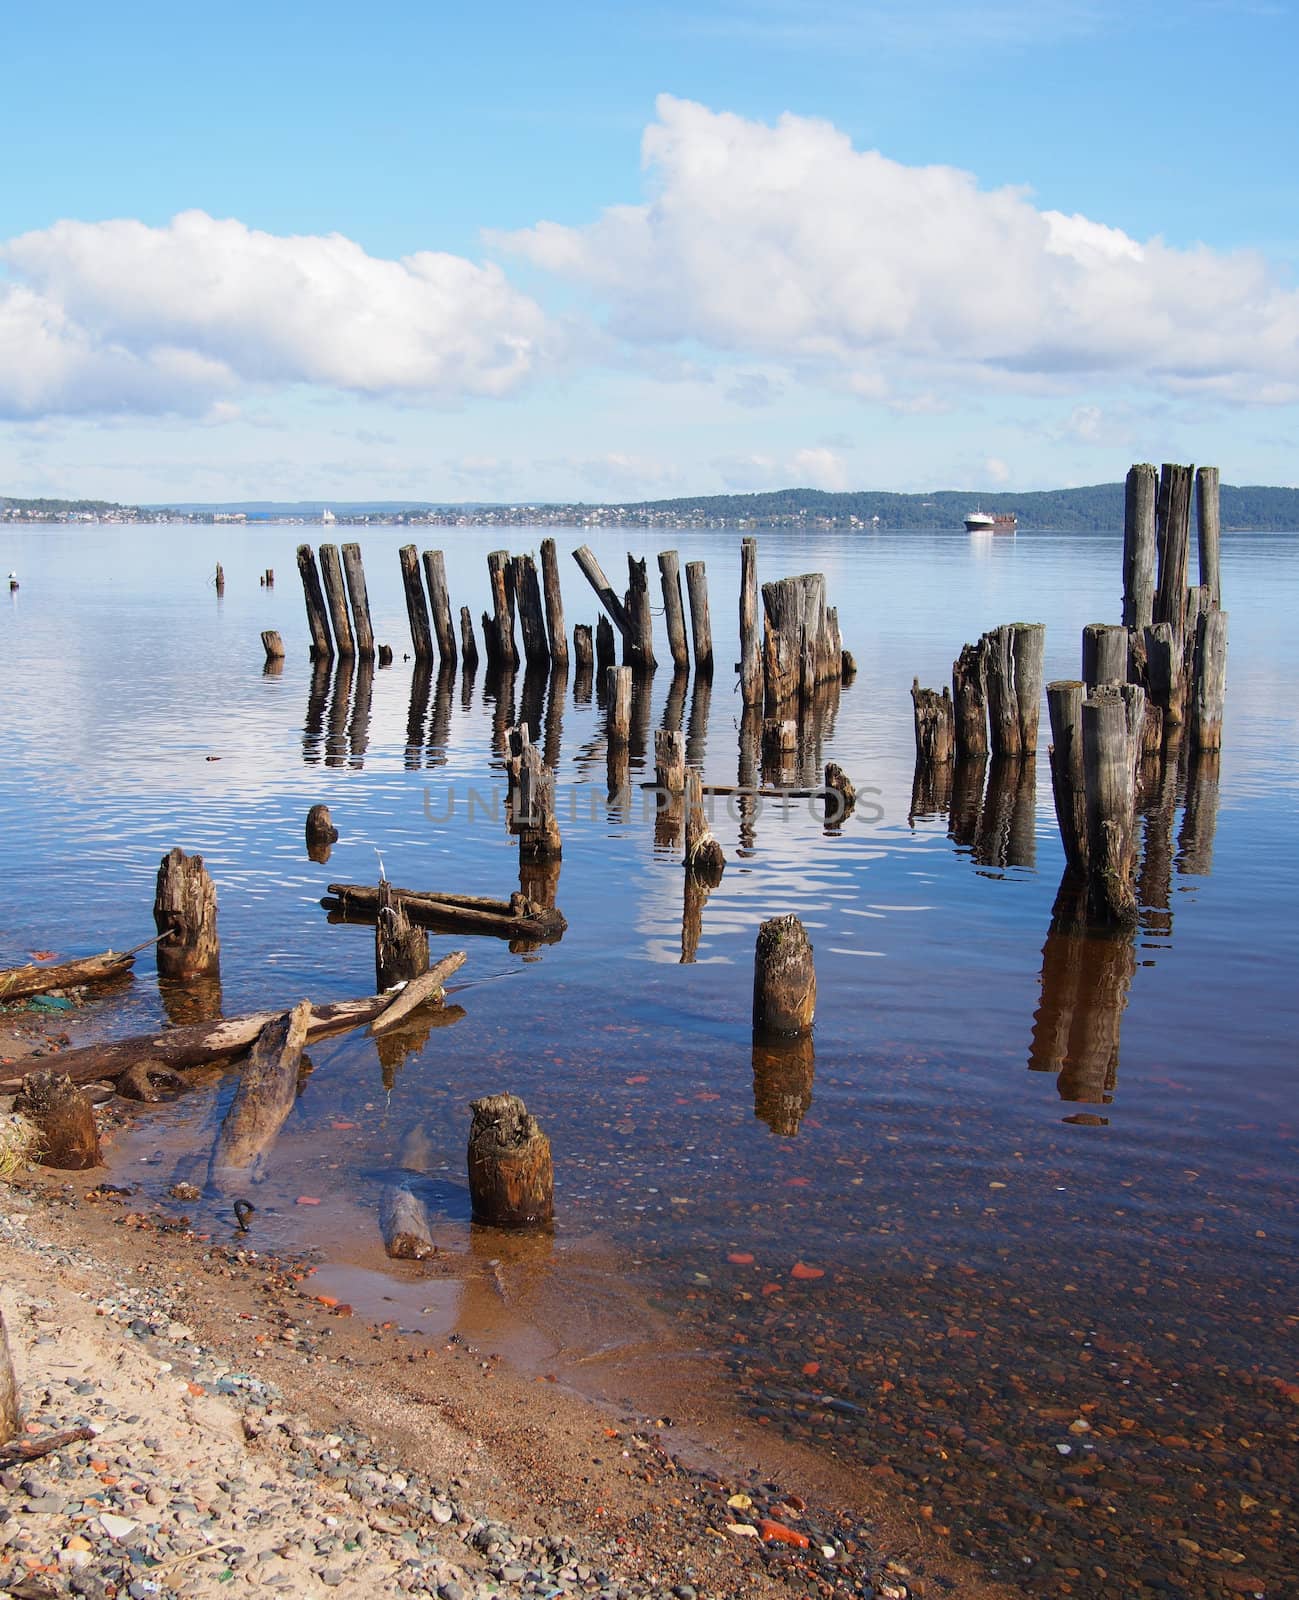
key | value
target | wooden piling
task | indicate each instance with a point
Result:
(1210, 688)
(385, 655)
(511, 1173)
(64, 1119)
(416, 606)
(583, 649)
(604, 648)
(1030, 654)
(535, 821)
(673, 609)
(1208, 528)
(1139, 544)
(1104, 654)
(970, 702)
(555, 633)
(1013, 658)
(935, 724)
(751, 652)
(840, 794)
(185, 913)
(784, 978)
(532, 618)
(614, 607)
(435, 575)
(638, 644)
(704, 855)
(498, 628)
(618, 690)
(468, 645)
(273, 645)
(336, 598)
(1111, 814)
(219, 581)
(701, 627)
(320, 830)
(400, 946)
(1172, 533)
(322, 648)
(1064, 701)
(1165, 680)
(269, 579)
(670, 761)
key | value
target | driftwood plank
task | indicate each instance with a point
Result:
(268, 1087)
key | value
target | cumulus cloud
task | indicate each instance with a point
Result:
(816, 467)
(785, 242)
(120, 316)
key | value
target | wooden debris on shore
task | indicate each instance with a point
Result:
(185, 914)
(268, 1088)
(515, 918)
(10, 1415)
(63, 1117)
(511, 1173)
(404, 1224)
(20, 983)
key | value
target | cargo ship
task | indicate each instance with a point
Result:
(986, 522)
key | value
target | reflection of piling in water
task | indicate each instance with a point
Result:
(1155, 873)
(438, 736)
(358, 732)
(1086, 974)
(1200, 819)
(967, 799)
(642, 711)
(931, 790)
(532, 700)
(701, 699)
(539, 881)
(779, 752)
(556, 694)
(670, 783)
(703, 854)
(746, 772)
(783, 1074)
(421, 685)
(498, 690)
(313, 728)
(196, 999)
(340, 710)
(674, 707)
(697, 890)
(1005, 836)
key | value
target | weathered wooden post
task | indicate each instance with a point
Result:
(270, 577)
(321, 833)
(63, 1117)
(468, 645)
(416, 606)
(219, 580)
(935, 724)
(555, 633)
(1104, 654)
(1064, 700)
(400, 947)
(751, 664)
(1139, 545)
(618, 690)
(784, 978)
(1173, 534)
(1164, 676)
(1111, 815)
(273, 645)
(583, 649)
(435, 575)
(185, 913)
(511, 1174)
(605, 655)
(701, 627)
(669, 762)
(498, 629)
(322, 648)
(638, 643)
(674, 612)
(970, 702)
(10, 1414)
(1210, 688)
(1013, 660)
(840, 794)
(538, 829)
(1208, 528)
(1030, 654)
(335, 595)
(532, 619)
(703, 855)
(354, 572)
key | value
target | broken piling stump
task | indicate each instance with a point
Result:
(840, 794)
(583, 649)
(321, 833)
(784, 978)
(400, 947)
(185, 914)
(670, 761)
(618, 693)
(605, 654)
(64, 1119)
(219, 580)
(511, 1174)
(704, 857)
(1108, 767)
(970, 702)
(535, 821)
(1210, 688)
(1104, 654)
(273, 645)
(638, 645)
(935, 724)
(1064, 700)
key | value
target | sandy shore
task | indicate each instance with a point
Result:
(251, 1433)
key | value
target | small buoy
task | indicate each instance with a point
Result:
(243, 1210)
(13, 582)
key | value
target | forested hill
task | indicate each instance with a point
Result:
(1098, 508)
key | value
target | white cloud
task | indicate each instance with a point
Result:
(120, 316)
(785, 243)
(996, 470)
(816, 467)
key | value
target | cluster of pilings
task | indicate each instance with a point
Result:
(1146, 682)
(332, 631)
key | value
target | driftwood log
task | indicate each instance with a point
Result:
(403, 1221)
(64, 1118)
(515, 918)
(17, 983)
(511, 1175)
(9, 1414)
(268, 1087)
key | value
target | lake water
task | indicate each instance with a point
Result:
(1044, 1181)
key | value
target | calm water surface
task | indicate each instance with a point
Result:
(1045, 1179)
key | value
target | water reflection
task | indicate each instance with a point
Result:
(313, 728)
(340, 706)
(931, 790)
(191, 999)
(783, 1073)
(968, 774)
(358, 732)
(421, 685)
(1200, 819)
(1006, 836)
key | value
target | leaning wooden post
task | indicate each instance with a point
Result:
(400, 947)
(554, 603)
(1104, 654)
(618, 682)
(1173, 533)
(669, 762)
(1210, 688)
(468, 645)
(435, 575)
(970, 703)
(185, 913)
(1209, 531)
(322, 648)
(421, 636)
(532, 619)
(638, 646)
(784, 978)
(336, 596)
(1064, 700)
(750, 627)
(1139, 547)
(935, 724)
(354, 572)
(10, 1415)
(535, 821)
(64, 1119)
(701, 628)
(511, 1174)
(273, 645)
(594, 575)
(1111, 807)
(703, 855)
(673, 608)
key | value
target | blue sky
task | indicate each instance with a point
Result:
(602, 252)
